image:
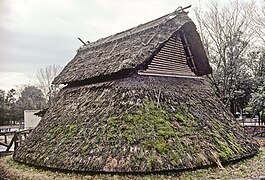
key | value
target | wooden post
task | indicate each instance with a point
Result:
(15, 141)
(10, 144)
(5, 138)
(19, 138)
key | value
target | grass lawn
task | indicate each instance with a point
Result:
(248, 168)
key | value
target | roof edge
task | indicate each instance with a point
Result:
(130, 32)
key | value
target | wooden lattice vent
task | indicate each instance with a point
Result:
(173, 59)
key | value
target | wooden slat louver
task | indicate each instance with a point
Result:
(170, 60)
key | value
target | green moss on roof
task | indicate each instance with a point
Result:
(136, 125)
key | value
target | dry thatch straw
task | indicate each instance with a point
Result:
(136, 124)
(111, 119)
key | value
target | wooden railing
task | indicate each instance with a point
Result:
(255, 130)
(17, 138)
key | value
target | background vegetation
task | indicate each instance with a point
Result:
(14, 102)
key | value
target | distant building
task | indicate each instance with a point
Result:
(31, 120)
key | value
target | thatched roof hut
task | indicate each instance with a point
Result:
(134, 103)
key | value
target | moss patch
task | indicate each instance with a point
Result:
(136, 124)
(155, 128)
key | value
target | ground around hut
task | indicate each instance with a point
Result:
(251, 168)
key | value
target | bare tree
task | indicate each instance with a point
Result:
(260, 21)
(227, 32)
(44, 77)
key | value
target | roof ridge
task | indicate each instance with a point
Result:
(146, 26)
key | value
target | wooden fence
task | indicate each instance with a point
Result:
(255, 130)
(16, 138)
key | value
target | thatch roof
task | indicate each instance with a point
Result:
(131, 50)
(136, 124)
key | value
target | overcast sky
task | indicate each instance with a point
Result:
(38, 33)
